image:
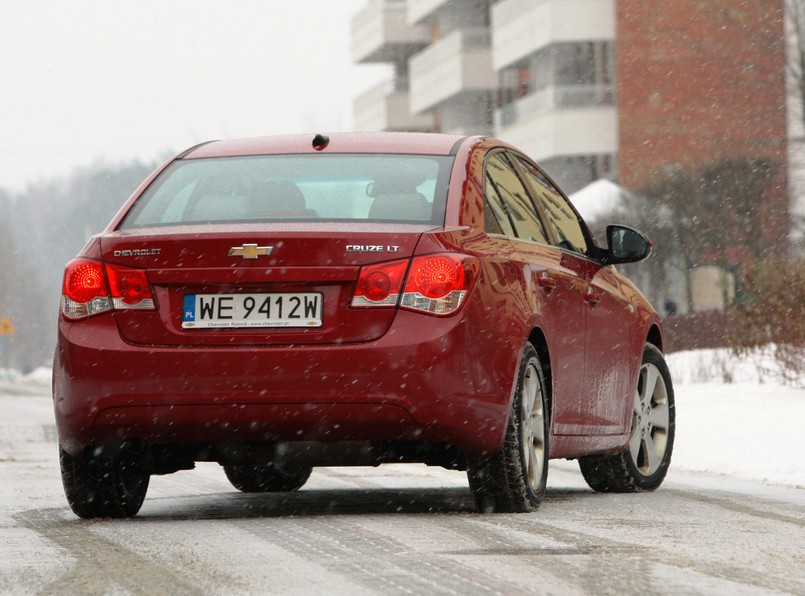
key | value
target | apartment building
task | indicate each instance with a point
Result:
(538, 73)
(626, 90)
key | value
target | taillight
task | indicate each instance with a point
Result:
(438, 284)
(129, 287)
(435, 284)
(380, 284)
(84, 281)
(91, 287)
(435, 276)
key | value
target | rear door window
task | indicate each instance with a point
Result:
(564, 223)
(342, 187)
(510, 202)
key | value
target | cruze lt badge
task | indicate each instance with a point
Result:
(250, 251)
(372, 248)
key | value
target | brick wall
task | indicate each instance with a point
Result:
(698, 80)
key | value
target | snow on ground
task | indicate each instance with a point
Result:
(750, 428)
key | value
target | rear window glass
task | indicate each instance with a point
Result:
(343, 187)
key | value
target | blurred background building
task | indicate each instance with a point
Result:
(664, 99)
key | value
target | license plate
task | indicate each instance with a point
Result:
(204, 311)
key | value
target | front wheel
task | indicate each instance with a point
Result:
(513, 480)
(645, 462)
(109, 489)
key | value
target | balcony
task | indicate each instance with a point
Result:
(380, 33)
(422, 10)
(552, 99)
(386, 108)
(457, 66)
(522, 27)
(560, 121)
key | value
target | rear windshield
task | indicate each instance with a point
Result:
(269, 188)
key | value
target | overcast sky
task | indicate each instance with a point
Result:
(84, 81)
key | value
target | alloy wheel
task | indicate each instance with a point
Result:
(650, 421)
(532, 431)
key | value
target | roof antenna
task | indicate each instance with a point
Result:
(320, 142)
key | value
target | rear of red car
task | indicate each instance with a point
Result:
(255, 294)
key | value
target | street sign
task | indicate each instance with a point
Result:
(6, 326)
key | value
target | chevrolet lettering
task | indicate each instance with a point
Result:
(137, 252)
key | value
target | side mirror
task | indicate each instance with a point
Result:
(626, 245)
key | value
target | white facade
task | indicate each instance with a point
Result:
(456, 65)
(522, 27)
(380, 33)
(384, 108)
(536, 73)
(564, 132)
(420, 10)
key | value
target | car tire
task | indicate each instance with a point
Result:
(644, 464)
(513, 479)
(266, 478)
(116, 489)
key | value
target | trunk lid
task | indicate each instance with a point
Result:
(313, 260)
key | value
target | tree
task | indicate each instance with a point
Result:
(795, 71)
(770, 321)
(795, 17)
(41, 229)
(730, 213)
(21, 299)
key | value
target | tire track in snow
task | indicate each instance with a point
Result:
(101, 565)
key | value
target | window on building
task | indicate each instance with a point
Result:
(574, 64)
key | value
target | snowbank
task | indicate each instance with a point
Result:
(748, 431)
(735, 418)
(40, 376)
(721, 366)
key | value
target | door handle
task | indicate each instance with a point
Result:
(592, 297)
(546, 281)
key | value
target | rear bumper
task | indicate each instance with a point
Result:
(427, 379)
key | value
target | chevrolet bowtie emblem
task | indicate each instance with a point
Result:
(250, 251)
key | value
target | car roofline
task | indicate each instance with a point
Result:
(348, 142)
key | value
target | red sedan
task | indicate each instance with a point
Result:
(281, 303)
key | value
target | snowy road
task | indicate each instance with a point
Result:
(390, 530)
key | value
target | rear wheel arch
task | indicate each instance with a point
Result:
(654, 337)
(513, 479)
(540, 343)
